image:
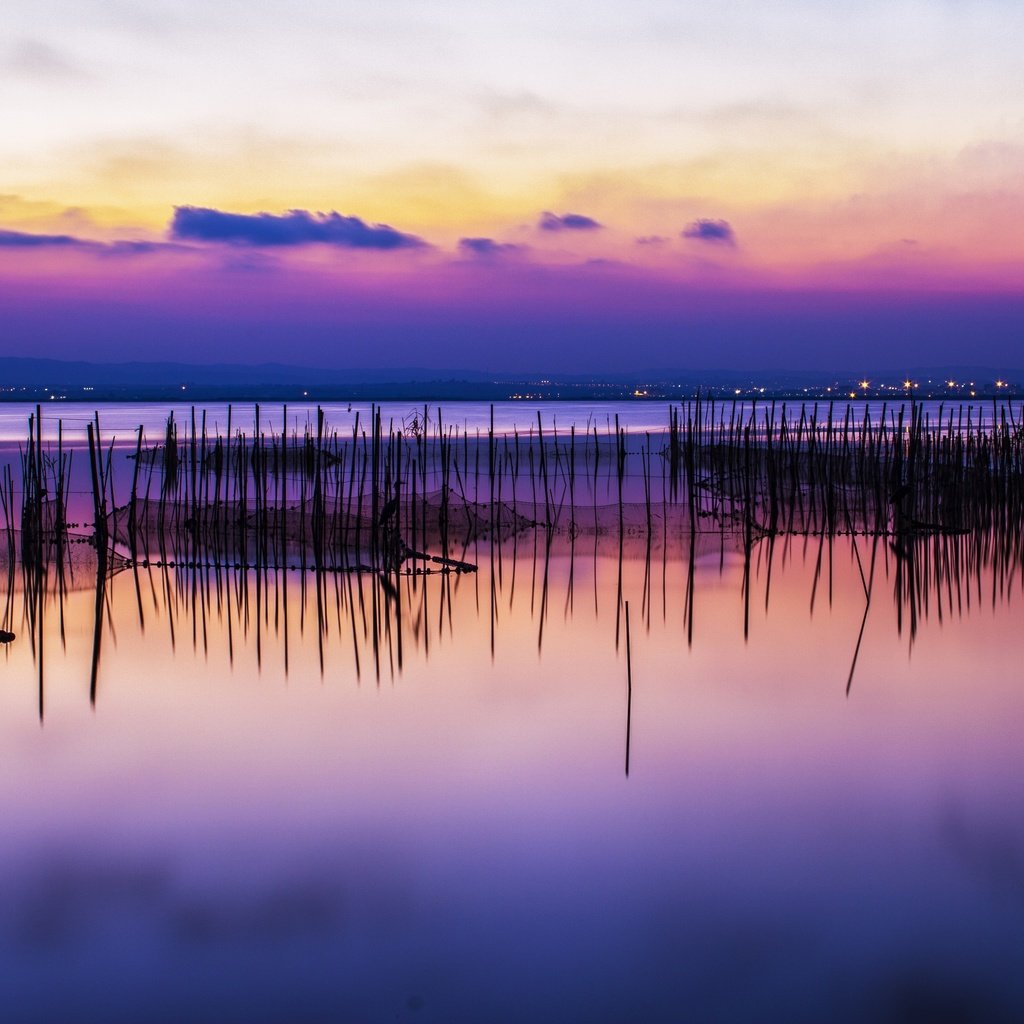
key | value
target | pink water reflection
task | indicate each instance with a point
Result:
(454, 838)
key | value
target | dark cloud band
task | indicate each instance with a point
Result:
(487, 248)
(567, 222)
(296, 227)
(714, 231)
(25, 240)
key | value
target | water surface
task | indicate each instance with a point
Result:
(282, 796)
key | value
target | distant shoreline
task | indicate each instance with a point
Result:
(454, 392)
(24, 379)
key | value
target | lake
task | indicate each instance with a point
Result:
(597, 779)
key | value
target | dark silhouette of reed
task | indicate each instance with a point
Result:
(934, 500)
(378, 499)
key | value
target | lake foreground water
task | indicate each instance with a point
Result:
(282, 800)
(649, 761)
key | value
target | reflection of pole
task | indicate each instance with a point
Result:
(629, 690)
(97, 635)
(40, 587)
(691, 568)
(868, 588)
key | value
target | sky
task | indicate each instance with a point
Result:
(547, 186)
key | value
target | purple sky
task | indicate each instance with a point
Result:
(499, 314)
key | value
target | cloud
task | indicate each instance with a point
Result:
(567, 222)
(51, 218)
(487, 248)
(296, 227)
(126, 247)
(653, 240)
(32, 58)
(136, 247)
(523, 104)
(256, 231)
(717, 232)
(27, 240)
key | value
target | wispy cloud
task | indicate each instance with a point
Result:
(488, 248)
(717, 232)
(28, 240)
(296, 227)
(135, 247)
(33, 59)
(567, 222)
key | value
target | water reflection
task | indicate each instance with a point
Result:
(374, 621)
(354, 795)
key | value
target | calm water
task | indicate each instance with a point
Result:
(262, 797)
(121, 420)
